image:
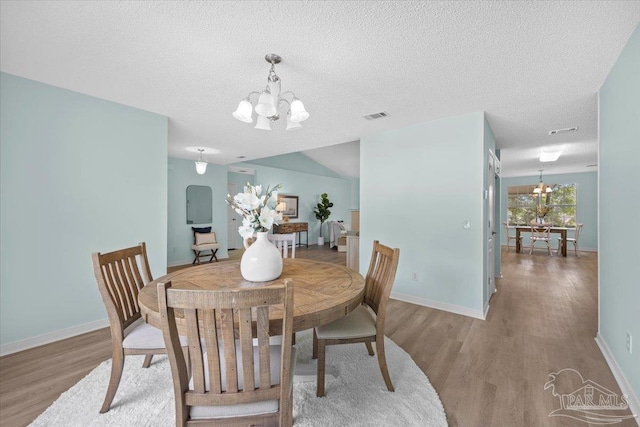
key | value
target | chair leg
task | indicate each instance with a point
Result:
(559, 247)
(314, 354)
(196, 260)
(549, 248)
(147, 360)
(369, 348)
(575, 247)
(531, 250)
(117, 363)
(382, 360)
(320, 371)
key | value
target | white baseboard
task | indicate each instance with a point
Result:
(189, 262)
(632, 398)
(50, 337)
(452, 308)
(179, 263)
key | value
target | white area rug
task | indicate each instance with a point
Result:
(355, 393)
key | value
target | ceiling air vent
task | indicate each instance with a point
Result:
(377, 115)
(557, 131)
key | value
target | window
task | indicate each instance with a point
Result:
(522, 204)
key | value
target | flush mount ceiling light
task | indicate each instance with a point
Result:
(201, 164)
(541, 188)
(550, 154)
(271, 103)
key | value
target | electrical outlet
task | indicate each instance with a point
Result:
(414, 276)
(629, 342)
(466, 223)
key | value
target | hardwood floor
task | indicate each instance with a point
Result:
(487, 373)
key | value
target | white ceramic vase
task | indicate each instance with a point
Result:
(261, 262)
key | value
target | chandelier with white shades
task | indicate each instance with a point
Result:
(271, 103)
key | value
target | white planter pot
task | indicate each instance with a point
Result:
(261, 262)
(320, 241)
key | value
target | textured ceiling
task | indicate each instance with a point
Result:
(532, 66)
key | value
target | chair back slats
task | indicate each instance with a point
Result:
(213, 351)
(541, 232)
(195, 349)
(119, 281)
(124, 281)
(227, 318)
(264, 353)
(381, 274)
(577, 232)
(229, 347)
(246, 345)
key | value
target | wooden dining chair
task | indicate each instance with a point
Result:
(365, 324)
(541, 233)
(234, 382)
(573, 240)
(119, 281)
(282, 242)
(509, 236)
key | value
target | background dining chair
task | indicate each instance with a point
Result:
(573, 240)
(365, 324)
(541, 233)
(509, 236)
(119, 280)
(234, 382)
(282, 242)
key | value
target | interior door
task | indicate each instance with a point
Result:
(491, 228)
(232, 219)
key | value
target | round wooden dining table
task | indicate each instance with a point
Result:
(323, 292)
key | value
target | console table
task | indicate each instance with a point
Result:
(293, 227)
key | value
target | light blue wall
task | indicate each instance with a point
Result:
(308, 188)
(78, 175)
(619, 260)
(296, 162)
(417, 186)
(182, 173)
(355, 193)
(587, 203)
(240, 179)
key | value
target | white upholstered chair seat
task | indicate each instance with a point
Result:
(205, 246)
(361, 322)
(246, 409)
(141, 335)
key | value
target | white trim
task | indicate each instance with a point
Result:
(180, 263)
(452, 308)
(486, 311)
(190, 262)
(632, 399)
(50, 337)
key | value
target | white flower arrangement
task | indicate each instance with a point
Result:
(257, 215)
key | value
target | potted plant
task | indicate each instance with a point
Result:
(322, 213)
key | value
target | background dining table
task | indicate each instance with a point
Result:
(560, 230)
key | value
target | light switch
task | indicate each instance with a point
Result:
(467, 223)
